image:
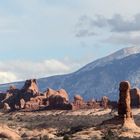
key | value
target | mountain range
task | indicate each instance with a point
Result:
(96, 79)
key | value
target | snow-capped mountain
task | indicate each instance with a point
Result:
(116, 55)
(98, 78)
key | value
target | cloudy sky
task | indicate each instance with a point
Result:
(39, 38)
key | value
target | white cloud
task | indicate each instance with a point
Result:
(7, 77)
(22, 69)
(17, 70)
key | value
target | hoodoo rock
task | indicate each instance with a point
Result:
(124, 106)
(135, 97)
(78, 102)
(104, 102)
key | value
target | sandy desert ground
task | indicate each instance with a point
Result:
(67, 125)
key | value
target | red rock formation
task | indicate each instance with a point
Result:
(6, 107)
(104, 102)
(56, 97)
(31, 87)
(78, 100)
(35, 103)
(92, 104)
(22, 103)
(124, 108)
(135, 97)
(16, 98)
(78, 103)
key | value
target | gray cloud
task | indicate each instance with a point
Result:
(124, 39)
(119, 24)
(87, 26)
(85, 33)
(83, 27)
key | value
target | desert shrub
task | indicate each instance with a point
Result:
(66, 137)
(109, 135)
(45, 137)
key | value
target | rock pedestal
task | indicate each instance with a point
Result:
(124, 106)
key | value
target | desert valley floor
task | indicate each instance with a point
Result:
(88, 124)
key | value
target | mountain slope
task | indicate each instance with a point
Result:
(98, 78)
(105, 60)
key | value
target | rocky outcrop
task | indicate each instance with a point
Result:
(60, 93)
(57, 99)
(16, 99)
(35, 103)
(135, 97)
(30, 86)
(29, 98)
